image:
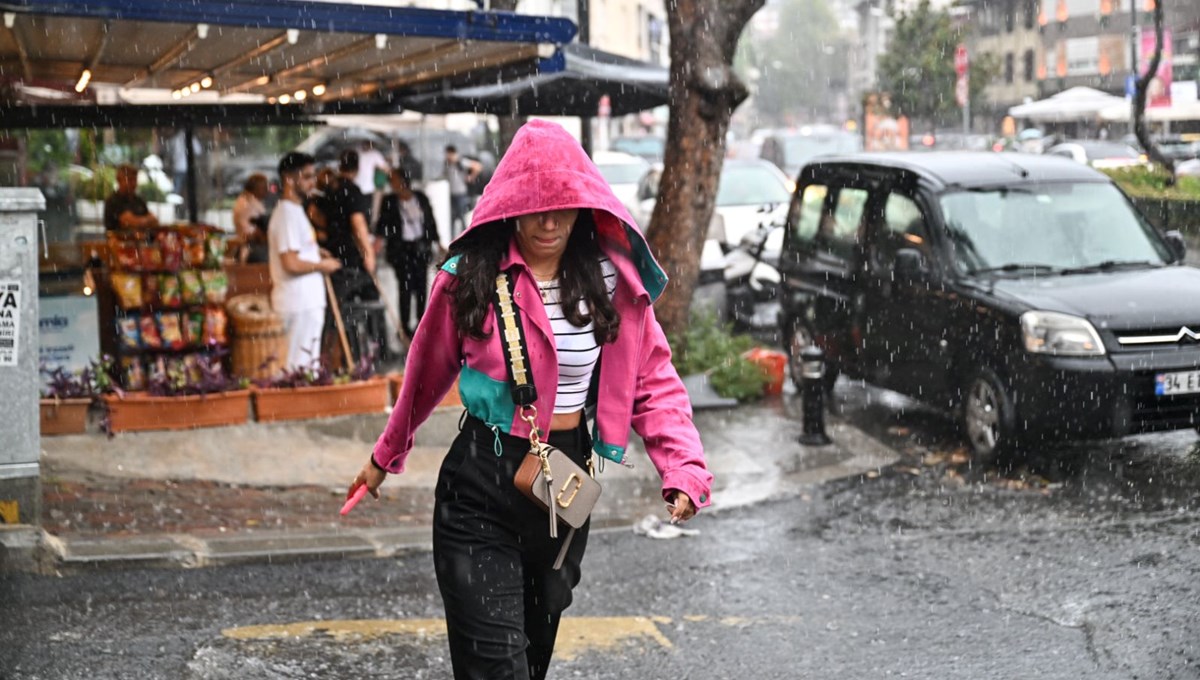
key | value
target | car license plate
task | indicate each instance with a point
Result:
(1182, 382)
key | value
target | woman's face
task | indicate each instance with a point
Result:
(543, 236)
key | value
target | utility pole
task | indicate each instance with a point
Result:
(583, 15)
(1134, 39)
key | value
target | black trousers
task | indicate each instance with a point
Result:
(494, 557)
(410, 259)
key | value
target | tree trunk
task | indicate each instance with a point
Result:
(1139, 99)
(508, 125)
(704, 93)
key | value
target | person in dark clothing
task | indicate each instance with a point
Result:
(348, 240)
(125, 209)
(406, 221)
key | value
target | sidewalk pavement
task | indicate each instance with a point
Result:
(272, 491)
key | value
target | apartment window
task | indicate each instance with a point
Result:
(1028, 66)
(1010, 16)
(1076, 8)
(1008, 68)
(1083, 56)
(1031, 11)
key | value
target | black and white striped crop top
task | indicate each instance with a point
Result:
(576, 345)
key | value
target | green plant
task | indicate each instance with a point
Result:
(151, 193)
(99, 186)
(708, 346)
(1152, 183)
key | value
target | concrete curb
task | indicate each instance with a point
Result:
(749, 476)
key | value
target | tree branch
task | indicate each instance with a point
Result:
(1139, 99)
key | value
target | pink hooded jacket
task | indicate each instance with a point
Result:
(546, 169)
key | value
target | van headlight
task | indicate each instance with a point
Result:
(1060, 335)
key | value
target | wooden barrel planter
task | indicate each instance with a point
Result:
(138, 412)
(259, 346)
(322, 401)
(64, 416)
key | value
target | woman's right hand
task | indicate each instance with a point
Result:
(371, 476)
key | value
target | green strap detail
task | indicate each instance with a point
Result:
(496, 447)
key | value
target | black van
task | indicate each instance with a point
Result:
(1023, 291)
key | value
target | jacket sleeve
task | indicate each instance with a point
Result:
(662, 416)
(434, 360)
(431, 230)
(387, 226)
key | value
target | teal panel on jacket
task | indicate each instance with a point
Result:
(614, 453)
(451, 266)
(487, 399)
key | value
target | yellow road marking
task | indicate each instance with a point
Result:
(576, 635)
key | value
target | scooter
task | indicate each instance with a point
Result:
(752, 280)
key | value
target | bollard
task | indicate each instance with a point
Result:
(812, 360)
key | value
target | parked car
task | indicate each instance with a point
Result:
(1025, 292)
(1098, 154)
(750, 194)
(649, 147)
(623, 172)
(1188, 168)
(789, 150)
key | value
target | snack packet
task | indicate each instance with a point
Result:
(191, 287)
(171, 243)
(214, 250)
(123, 254)
(216, 283)
(168, 291)
(150, 289)
(151, 257)
(191, 365)
(149, 332)
(194, 249)
(133, 373)
(128, 290)
(127, 332)
(214, 326)
(193, 328)
(172, 332)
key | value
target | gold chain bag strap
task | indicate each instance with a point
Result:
(546, 476)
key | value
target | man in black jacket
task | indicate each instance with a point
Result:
(406, 221)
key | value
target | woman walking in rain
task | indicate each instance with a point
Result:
(582, 280)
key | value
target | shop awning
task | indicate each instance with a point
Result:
(109, 51)
(1074, 104)
(575, 90)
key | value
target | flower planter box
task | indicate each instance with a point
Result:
(139, 412)
(452, 399)
(64, 416)
(301, 403)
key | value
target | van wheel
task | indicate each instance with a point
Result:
(800, 338)
(988, 418)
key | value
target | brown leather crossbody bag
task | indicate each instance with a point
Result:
(547, 476)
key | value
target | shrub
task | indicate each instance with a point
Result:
(1152, 183)
(711, 347)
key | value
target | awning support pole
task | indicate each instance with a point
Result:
(193, 204)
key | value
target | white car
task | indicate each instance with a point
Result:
(751, 193)
(623, 172)
(1098, 153)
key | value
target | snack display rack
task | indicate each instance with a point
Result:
(168, 292)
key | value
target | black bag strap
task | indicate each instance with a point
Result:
(516, 353)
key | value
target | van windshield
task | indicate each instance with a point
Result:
(1048, 228)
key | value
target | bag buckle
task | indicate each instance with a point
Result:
(574, 492)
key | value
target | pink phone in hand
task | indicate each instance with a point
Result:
(353, 500)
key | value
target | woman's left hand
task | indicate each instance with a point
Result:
(681, 507)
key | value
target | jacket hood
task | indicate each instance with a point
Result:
(546, 169)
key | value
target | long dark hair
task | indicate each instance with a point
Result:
(581, 278)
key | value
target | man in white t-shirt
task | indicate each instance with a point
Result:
(373, 170)
(297, 264)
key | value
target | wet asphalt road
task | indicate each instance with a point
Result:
(1082, 563)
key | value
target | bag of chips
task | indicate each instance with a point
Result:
(123, 254)
(133, 373)
(127, 332)
(191, 287)
(149, 332)
(214, 250)
(128, 290)
(150, 290)
(214, 326)
(171, 243)
(193, 328)
(171, 330)
(194, 249)
(169, 294)
(216, 283)
(151, 257)
(191, 365)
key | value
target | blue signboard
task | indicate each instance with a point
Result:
(68, 332)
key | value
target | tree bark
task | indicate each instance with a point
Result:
(1139, 99)
(704, 93)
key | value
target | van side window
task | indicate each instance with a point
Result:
(903, 226)
(838, 231)
(812, 202)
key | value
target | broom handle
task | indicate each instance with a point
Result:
(341, 328)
